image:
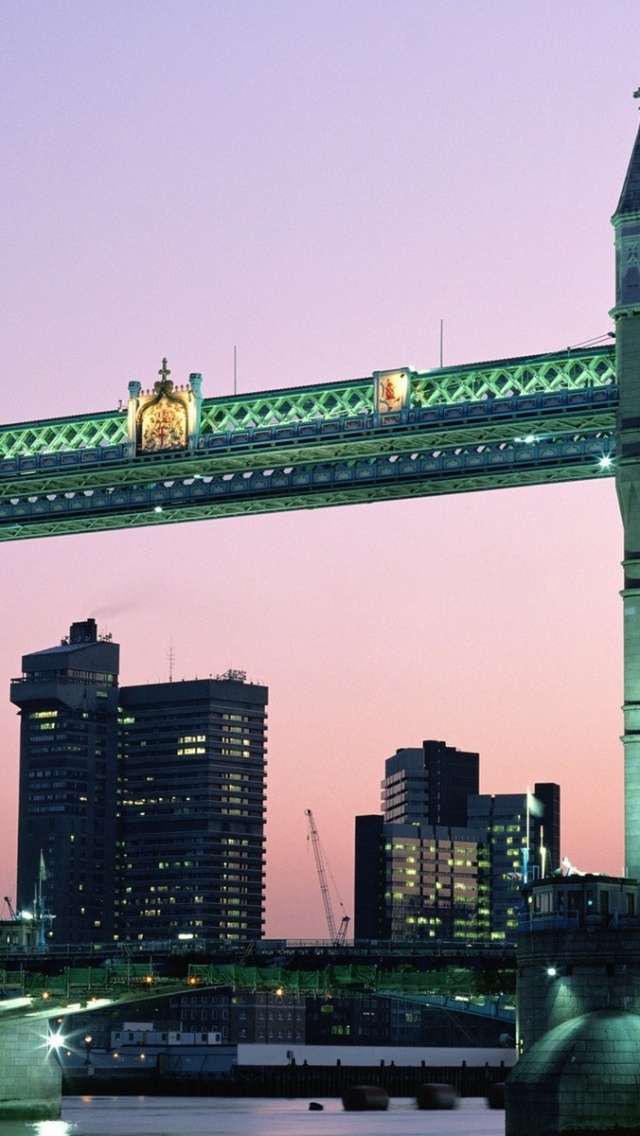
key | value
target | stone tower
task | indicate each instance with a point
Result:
(626, 221)
(578, 986)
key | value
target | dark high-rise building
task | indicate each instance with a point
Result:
(142, 809)
(68, 699)
(192, 809)
(417, 866)
(429, 784)
(522, 837)
(418, 881)
(371, 916)
(443, 861)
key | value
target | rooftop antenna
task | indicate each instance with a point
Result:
(235, 371)
(171, 659)
(441, 340)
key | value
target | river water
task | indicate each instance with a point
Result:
(213, 1116)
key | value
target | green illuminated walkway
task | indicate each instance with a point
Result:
(394, 434)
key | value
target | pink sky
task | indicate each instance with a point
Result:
(321, 183)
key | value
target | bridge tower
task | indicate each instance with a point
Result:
(626, 221)
(578, 992)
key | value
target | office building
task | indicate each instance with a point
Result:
(68, 701)
(430, 784)
(142, 808)
(192, 809)
(443, 861)
(418, 881)
(521, 832)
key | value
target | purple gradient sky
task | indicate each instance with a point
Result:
(319, 184)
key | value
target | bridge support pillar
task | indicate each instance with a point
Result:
(578, 997)
(30, 1076)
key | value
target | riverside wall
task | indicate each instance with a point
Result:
(293, 1081)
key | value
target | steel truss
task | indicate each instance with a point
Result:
(530, 421)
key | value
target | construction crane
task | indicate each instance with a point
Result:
(337, 937)
(12, 913)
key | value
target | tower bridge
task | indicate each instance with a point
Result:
(169, 455)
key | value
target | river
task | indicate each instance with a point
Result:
(215, 1116)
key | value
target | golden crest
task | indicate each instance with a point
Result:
(391, 391)
(163, 417)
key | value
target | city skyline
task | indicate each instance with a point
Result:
(319, 187)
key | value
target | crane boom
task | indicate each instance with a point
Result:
(322, 876)
(337, 937)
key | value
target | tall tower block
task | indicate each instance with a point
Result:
(626, 221)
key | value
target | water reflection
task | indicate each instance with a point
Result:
(36, 1128)
(50, 1128)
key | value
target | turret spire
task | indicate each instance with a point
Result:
(630, 197)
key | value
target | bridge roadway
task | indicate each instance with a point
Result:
(526, 421)
(59, 982)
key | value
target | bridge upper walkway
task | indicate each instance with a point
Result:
(400, 433)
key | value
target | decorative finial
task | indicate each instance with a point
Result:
(164, 370)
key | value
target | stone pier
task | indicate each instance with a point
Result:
(30, 1076)
(578, 1011)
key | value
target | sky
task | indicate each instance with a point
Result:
(319, 184)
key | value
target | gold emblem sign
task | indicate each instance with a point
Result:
(391, 391)
(162, 417)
